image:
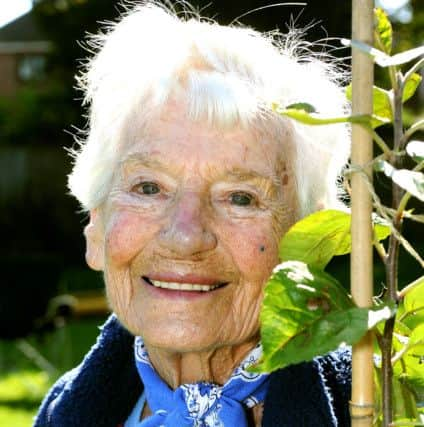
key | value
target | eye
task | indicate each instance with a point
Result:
(241, 199)
(147, 188)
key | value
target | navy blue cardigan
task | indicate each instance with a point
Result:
(103, 389)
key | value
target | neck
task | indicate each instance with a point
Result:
(214, 366)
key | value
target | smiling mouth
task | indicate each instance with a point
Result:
(190, 287)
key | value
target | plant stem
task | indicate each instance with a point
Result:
(380, 142)
(387, 372)
(414, 128)
(37, 358)
(381, 251)
(412, 285)
(414, 69)
(392, 75)
(392, 256)
(362, 398)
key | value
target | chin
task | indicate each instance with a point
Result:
(179, 342)
(178, 347)
(156, 335)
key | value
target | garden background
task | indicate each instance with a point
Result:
(51, 304)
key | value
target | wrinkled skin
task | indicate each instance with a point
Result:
(191, 204)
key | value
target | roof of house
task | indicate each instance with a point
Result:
(22, 29)
(23, 36)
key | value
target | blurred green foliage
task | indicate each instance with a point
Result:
(36, 116)
(10, 416)
(406, 36)
(26, 386)
(24, 383)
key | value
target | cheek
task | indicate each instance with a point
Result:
(254, 252)
(127, 233)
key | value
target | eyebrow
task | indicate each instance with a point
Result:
(241, 174)
(269, 183)
(144, 160)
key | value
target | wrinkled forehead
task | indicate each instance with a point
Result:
(264, 133)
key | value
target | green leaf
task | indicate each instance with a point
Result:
(381, 58)
(401, 329)
(411, 345)
(320, 337)
(411, 307)
(412, 372)
(377, 397)
(377, 121)
(381, 103)
(381, 166)
(411, 181)
(382, 108)
(305, 313)
(377, 54)
(414, 297)
(404, 399)
(416, 341)
(320, 236)
(302, 106)
(415, 149)
(404, 403)
(407, 422)
(383, 32)
(307, 118)
(409, 374)
(403, 57)
(411, 86)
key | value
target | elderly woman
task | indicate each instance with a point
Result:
(190, 180)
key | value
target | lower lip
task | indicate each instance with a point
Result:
(177, 294)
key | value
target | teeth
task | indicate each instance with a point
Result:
(183, 286)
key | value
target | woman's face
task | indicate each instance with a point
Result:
(189, 233)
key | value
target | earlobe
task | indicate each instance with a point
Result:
(94, 238)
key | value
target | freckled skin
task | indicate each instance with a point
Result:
(193, 225)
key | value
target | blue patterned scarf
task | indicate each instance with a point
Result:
(201, 404)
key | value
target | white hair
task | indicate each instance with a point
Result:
(230, 76)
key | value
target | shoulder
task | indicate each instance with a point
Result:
(91, 394)
(311, 393)
(335, 369)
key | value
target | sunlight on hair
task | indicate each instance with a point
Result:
(229, 76)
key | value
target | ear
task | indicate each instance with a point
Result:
(94, 238)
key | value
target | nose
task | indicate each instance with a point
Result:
(187, 232)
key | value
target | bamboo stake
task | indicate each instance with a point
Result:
(362, 399)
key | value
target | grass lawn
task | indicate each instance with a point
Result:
(20, 395)
(16, 417)
(29, 367)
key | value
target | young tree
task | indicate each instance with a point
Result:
(328, 316)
